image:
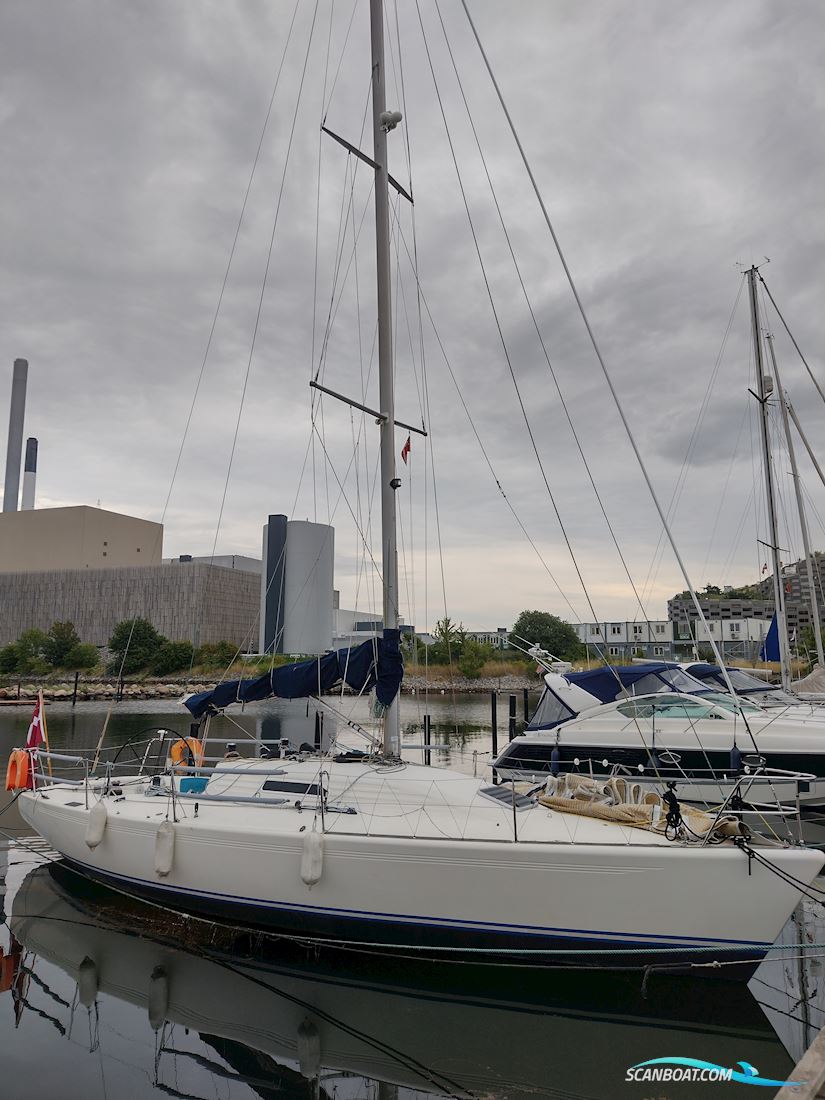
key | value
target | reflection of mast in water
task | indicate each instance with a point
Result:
(13, 978)
(4, 870)
(301, 728)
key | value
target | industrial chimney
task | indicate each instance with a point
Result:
(15, 445)
(29, 475)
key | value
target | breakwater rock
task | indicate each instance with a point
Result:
(91, 689)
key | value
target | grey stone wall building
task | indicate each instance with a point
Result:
(682, 612)
(681, 609)
(190, 601)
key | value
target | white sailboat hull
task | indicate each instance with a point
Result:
(578, 889)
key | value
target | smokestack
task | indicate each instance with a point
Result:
(15, 445)
(29, 475)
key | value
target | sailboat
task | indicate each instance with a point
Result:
(364, 848)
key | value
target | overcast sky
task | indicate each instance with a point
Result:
(672, 143)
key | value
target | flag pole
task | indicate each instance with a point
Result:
(45, 729)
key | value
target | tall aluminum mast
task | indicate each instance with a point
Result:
(803, 522)
(765, 385)
(389, 483)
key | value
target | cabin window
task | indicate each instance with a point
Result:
(550, 711)
(308, 790)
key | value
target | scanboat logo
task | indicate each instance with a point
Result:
(692, 1069)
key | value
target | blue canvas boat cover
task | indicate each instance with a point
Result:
(606, 683)
(376, 663)
(743, 682)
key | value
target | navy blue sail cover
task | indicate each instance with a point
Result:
(376, 663)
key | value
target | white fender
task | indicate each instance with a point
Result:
(164, 848)
(312, 858)
(309, 1048)
(158, 998)
(96, 826)
(88, 982)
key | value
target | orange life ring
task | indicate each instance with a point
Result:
(181, 750)
(18, 776)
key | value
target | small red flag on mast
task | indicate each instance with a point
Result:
(405, 450)
(35, 736)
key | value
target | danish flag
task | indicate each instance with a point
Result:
(35, 736)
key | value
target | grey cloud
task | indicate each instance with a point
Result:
(670, 143)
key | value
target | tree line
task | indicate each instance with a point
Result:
(134, 647)
(454, 647)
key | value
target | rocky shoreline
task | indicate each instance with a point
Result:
(103, 688)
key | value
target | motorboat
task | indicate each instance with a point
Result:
(663, 722)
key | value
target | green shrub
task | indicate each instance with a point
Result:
(171, 657)
(133, 645)
(60, 641)
(81, 657)
(474, 656)
(9, 658)
(30, 647)
(216, 654)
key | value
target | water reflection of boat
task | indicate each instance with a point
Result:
(298, 1026)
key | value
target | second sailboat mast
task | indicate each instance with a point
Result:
(778, 583)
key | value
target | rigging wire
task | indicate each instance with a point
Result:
(217, 311)
(480, 442)
(793, 338)
(499, 329)
(536, 326)
(597, 351)
(681, 480)
(717, 517)
(231, 257)
(264, 280)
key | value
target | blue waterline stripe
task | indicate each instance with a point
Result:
(445, 922)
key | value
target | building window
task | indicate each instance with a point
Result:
(658, 651)
(614, 650)
(637, 629)
(660, 628)
(594, 630)
(614, 629)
